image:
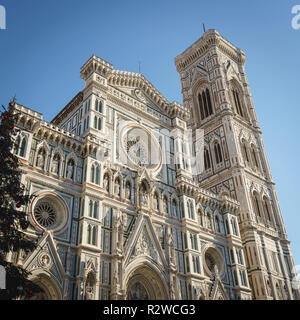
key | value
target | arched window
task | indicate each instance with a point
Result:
(204, 103)
(94, 239)
(17, 145)
(93, 174)
(218, 224)
(254, 158)
(207, 164)
(96, 209)
(165, 202)
(174, 208)
(232, 256)
(227, 226)
(91, 208)
(96, 105)
(234, 227)
(218, 153)
(245, 152)
(210, 112)
(256, 205)
(23, 147)
(89, 234)
(95, 122)
(266, 209)
(237, 102)
(97, 180)
(99, 124)
(191, 210)
(100, 106)
(201, 107)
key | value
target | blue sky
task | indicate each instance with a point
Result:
(46, 43)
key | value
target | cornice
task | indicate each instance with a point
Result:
(95, 64)
(46, 130)
(210, 38)
(137, 80)
(68, 109)
(187, 186)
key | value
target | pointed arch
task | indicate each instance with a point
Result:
(237, 97)
(218, 152)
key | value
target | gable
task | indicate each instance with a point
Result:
(46, 257)
(143, 242)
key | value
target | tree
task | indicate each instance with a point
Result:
(13, 201)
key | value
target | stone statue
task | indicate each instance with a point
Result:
(106, 183)
(172, 291)
(117, 188)
(155, 202)
(70, 170)
(115, 279)
(128, 191)
(169, 239)
(144, 196)
(89, 292)
(165, 205)
(55, 165)
(40, 160)
(170, 244)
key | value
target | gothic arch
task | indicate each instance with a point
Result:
(50, 289)
(150, 276)
(201, 214)
(202, 100)
(155, 192)
(57, 152)
(217, 150)
(143, 192)
(238, 98)
(128, 181)
(69, 159)
(118, 177)
(43, 145)
(107, 173)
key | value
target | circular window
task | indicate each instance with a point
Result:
(214, 262)
(210, 262)
(45, 215)
(140, 148)
(49, 212)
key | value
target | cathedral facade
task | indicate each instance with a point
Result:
(136, 197)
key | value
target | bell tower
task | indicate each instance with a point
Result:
(216, 90)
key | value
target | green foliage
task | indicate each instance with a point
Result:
(13, 201)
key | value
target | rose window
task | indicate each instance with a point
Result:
(50, 212)
(214, 262)
(210, 262)
(45, 214)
